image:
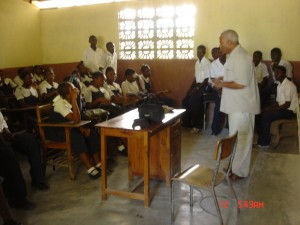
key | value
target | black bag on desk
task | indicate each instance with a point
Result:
(152, 112)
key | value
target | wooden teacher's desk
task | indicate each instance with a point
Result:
(153, 153)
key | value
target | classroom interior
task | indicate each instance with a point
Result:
(58, 37)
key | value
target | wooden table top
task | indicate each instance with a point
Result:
(126, 120)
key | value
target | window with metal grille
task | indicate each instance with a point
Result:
(157, 33)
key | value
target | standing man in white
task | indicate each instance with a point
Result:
(94, 58)
(240, 100)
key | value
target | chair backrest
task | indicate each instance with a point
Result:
(42, 113)
(225, 147)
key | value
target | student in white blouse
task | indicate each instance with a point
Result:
(129, 86)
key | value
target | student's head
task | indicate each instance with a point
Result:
(37, 70)
(64, 89)
(276, 55)
(98, 79)
(110, 75)
(257, 57)
(49, 75)
(93, 40)
(146, 71)
(110, 47)
(20, 70)
(201, 50)
(215, 53)
(26, 77)
(229, 39)
(82, 69)
(280, 73)
(129, 75)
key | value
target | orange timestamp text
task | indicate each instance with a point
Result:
(247, 204)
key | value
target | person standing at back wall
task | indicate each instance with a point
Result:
(94, 58)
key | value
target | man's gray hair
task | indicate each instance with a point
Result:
(230, 35)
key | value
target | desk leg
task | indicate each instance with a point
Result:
(129, 147)
(146, 169)
(103, 165)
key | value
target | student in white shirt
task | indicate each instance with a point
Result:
(112, 57)
(193, 102)
(113, 88)
(85, 142)
(94, 58)
(84, 74)
(7, 86)
(37, 74)
(271, 88)
(98, 97)
(217, 70)
(17, 78)
(262, 75)
(129, 86)
(260, 70)
(278, 61)
(27, 94)
(285, 107)
(48, 88)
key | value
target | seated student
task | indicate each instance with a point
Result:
(7, 86)
(193, 102)
(27, 94)
(271, 87)
(4, 208)
(27, 144)
(85, 76)
(261, 73)
(17, 79)
(48, 88)
(145, 84)
(260, 69)
(113, 88)
(84, 142)
(98, 97)
(217, 70)
(37, 74)
(130, 86)
(284, 108)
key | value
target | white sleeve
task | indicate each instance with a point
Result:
(3, 123)
(125, 88)
(18, 93)
(42, 88)
(87, 95)
(265, 72)
(62, 110)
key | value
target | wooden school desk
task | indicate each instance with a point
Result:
(153, 153)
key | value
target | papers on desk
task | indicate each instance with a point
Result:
(167, 109)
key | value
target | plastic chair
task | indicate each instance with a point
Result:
(201, 177)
